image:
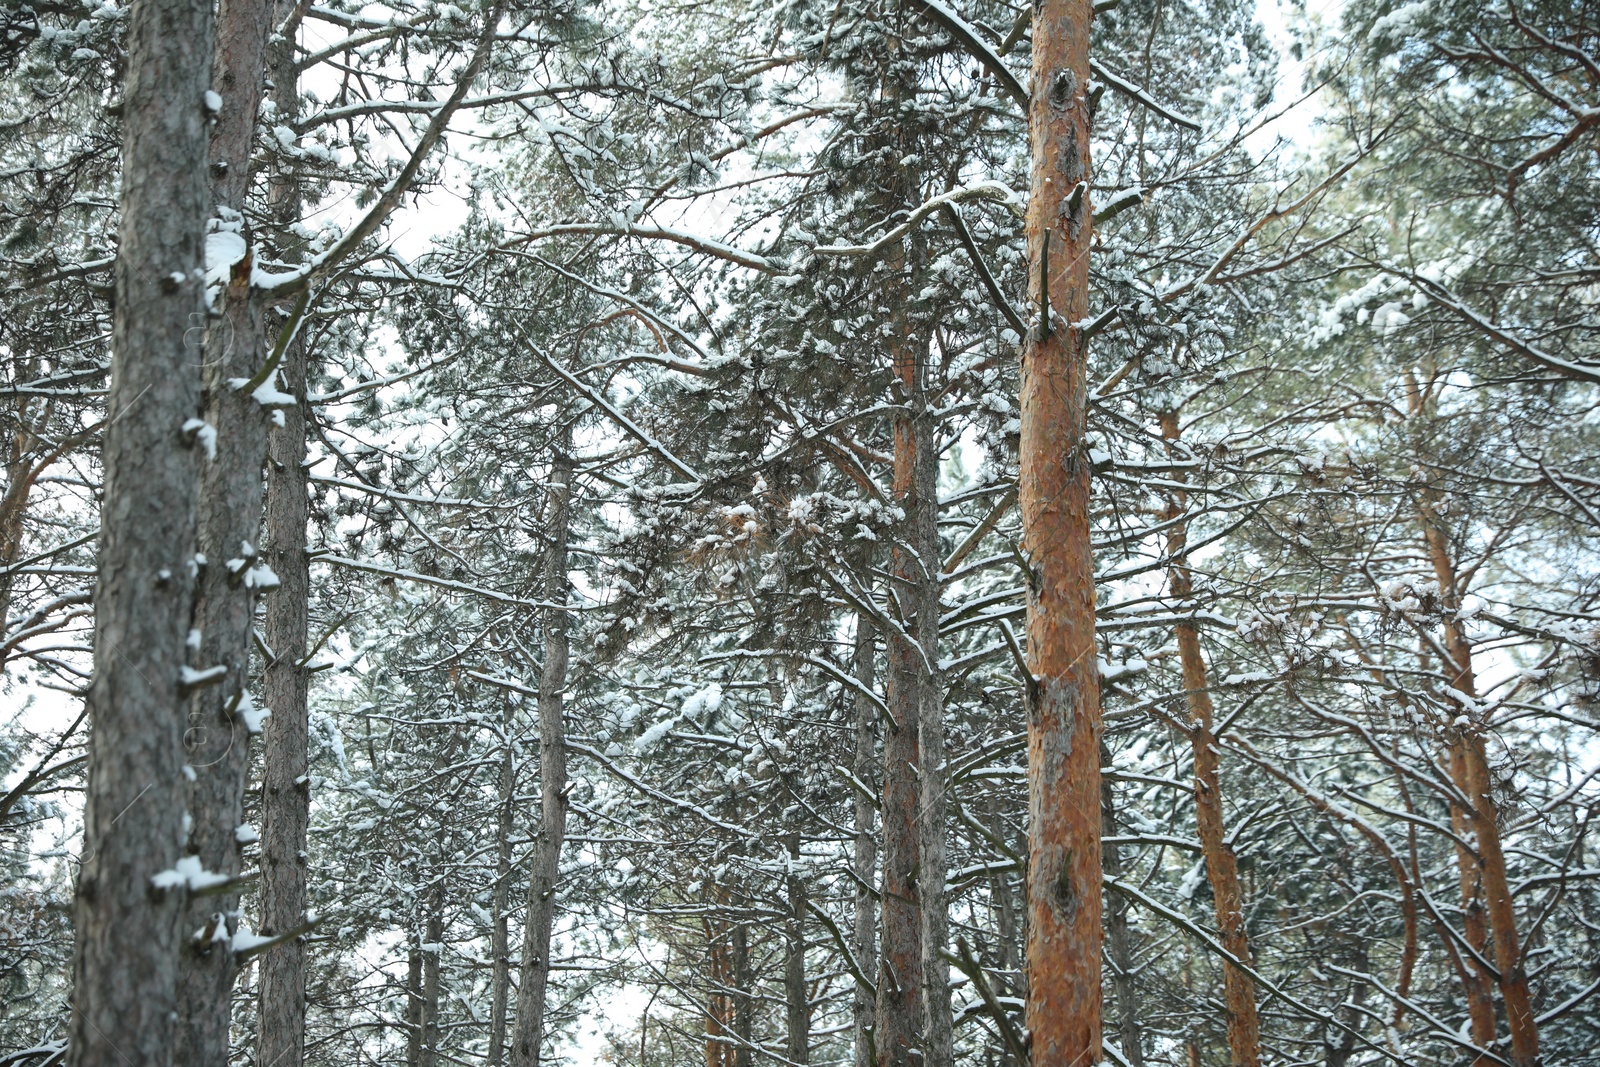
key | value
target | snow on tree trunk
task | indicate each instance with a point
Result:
(222, 717)
(126, 930)
(1487, 906)
(796, 1001)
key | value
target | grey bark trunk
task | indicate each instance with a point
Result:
(938, 1046)
(743, 1002)
(797, 1007)
(220, 718)
(1119, 940)
(285, 793)
(415, 1016)
(865, 860)
(432, 958)
(500, 937)
(535, 977)
(921, 573)
(898, 1011)
(126, 931)
(1003, 905)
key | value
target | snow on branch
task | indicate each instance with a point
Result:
(1138, 95)
(298, 280)
(442, 583)
(967, 37)
(997, 192)
(634, 430)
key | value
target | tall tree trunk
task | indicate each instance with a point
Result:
(743, 1002)
(865, 859)
(796, 1001)
(1487, 905)
(901, 1015)
(1063, 951)
(1119, 939)
(221, 716)
(1222, 866)
(1339, 1055)
(529, 1031)
(719, 973)
(125, 929)
(917, 572)
(501, 936)
(285, 792)
(432, 980)
(938, 1039)
(415, 1015)
(911, 645)
(1486, 891)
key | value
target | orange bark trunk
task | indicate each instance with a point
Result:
(719, 1048)
(1222, 867)
(1063, 948)
(900, 1006)
(1485, 889)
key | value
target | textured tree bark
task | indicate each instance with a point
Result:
(501, 935)
(901, 1014)
(864, 940)
(920, 572)
(796, 1002)
(542, 880)
(125, 929)
(1339, 1055)
(1119, 940)
(231, 491)
(1064, 935)
(1222, 867)
(1005, 926)
(1476, 981)
(285, 793)
(13, 505)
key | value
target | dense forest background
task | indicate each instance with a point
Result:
(605, 606)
